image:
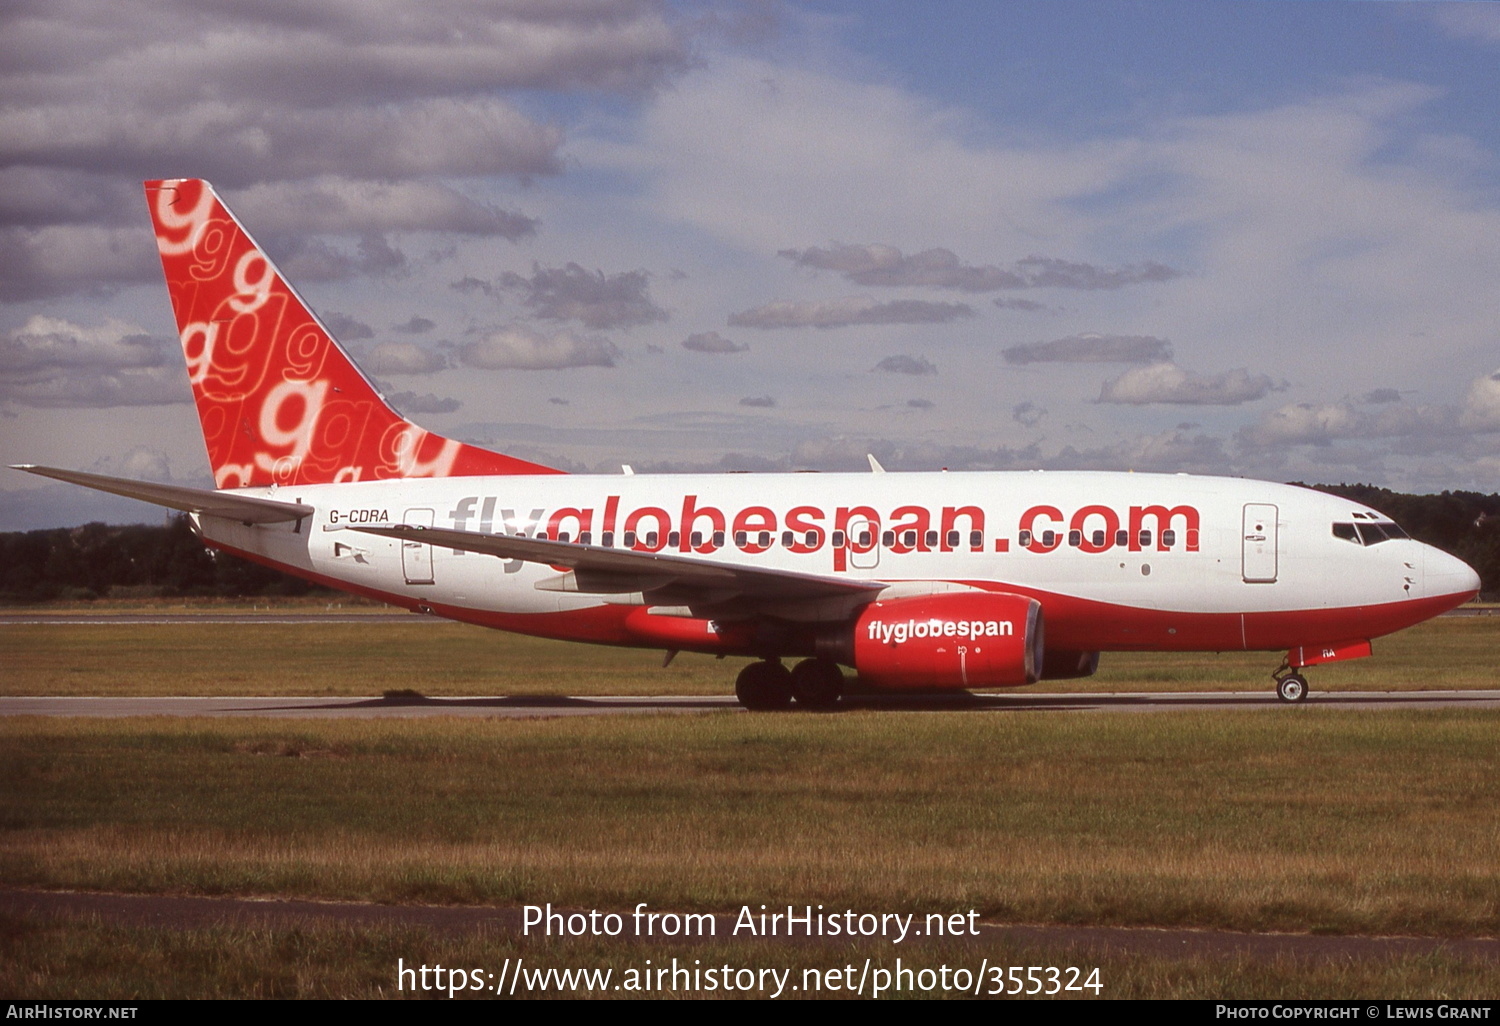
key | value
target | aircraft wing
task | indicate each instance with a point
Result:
(247, 509)
(661, 579)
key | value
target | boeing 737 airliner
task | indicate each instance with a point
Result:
(916, 580)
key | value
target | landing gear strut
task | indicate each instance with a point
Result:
(764, 686)
(1291, 686)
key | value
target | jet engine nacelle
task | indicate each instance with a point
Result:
(952, 640)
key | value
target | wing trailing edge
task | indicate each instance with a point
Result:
(659, 578)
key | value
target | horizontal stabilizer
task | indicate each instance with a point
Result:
(247, 509)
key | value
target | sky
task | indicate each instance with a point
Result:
(1243, 238)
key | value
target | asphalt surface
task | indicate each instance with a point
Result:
(33, 618)
(532, 706)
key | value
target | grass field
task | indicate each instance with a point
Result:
(442, 658)
(1295, 819)
(1290, 819)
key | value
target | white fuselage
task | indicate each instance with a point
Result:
(1118, 561)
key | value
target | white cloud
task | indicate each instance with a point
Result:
(1092, 347)
(1169, 383)
(1467, 20)
(598, 300)
(57, 259)
(852, 310)
(1481, 408)
(1323, 423)
(881, 265)
(713, 342)
(345, 104)
(414, 404)
(49, 362)
(337, 204)
(520, 348)
(904, 364)
(403, 358)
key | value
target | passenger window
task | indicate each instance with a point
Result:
(741, 538)
(650, 539)
(1145, 539)
(562, 536)
(931, 539)
(1098, 539)
(976, 540)
(607, 539)
(1075, 538)
(1168, 538)
(1023, 539)
(630, 539)
(672, 539)
(585, 538)
(697, 539)
(765, 539)
(909, 539)
(718, 539)
(1122, 538)
(838, 539)
(1049, 538)
(865, 539)
(888, 539)
(787, 537)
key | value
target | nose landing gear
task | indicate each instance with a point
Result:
(1291, 686)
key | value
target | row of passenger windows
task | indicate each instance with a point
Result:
(1368, 534)
(864, 540)
(1097, 539)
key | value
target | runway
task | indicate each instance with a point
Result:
(539, 706)
(372, 616)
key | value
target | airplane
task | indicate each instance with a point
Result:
(917, 581)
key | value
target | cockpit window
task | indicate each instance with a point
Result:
(1372, 533)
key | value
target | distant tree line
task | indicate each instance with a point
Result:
(134, 561)
(101, 561)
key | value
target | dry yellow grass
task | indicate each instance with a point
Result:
(1296, 819)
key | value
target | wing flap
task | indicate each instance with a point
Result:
(598, 570)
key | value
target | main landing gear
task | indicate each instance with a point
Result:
(1291, 686)
(767, 685)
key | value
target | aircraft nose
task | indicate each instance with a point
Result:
(1443, 574)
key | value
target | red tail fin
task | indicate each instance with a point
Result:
(279, 401)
